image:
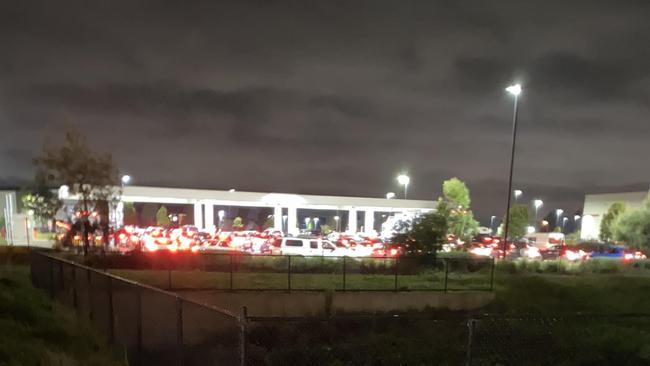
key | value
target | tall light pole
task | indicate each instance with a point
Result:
(517, 192)
(558, 214)
(404, 180)
(492, 218)
(564, 221)
(125, 179)
(515, 90)
(537, 203)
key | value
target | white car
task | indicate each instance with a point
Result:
(307, 247)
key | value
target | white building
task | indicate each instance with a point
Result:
(288, 211)
(596, 205)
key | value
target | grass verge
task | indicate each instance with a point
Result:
(36, 331)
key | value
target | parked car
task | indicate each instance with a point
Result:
(310, 246)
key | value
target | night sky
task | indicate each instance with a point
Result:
(336, 97)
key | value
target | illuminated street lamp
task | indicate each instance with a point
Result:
(537, 203)
(231, 190)
(390, 195)
(514, 90)
(404, 180)
(564, 221)
(126, 179)
(558, 214)
(530, 229)
(492, 218)
(518, 192)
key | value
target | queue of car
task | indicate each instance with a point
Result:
(270, 241)
(549, 246)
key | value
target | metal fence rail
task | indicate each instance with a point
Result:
(155, 327)
(236, 271)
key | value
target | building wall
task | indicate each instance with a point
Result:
(596, 205)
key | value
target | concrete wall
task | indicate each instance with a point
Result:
(304, 304)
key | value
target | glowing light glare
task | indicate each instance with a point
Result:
(337, 218)
(231, 190)
(530, 229)
(221, 214)
(544, 223)
(538, 203)
(307, 219)
(576, 217)
(514, 89)
(390, 195)
(518, 192)
(126, 179)
(559, 211)
(403, 179)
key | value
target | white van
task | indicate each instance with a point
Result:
(545, 241)
(306, 247)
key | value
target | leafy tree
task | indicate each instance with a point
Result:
(460, 219)
(607, 223)
(456, 193)
(237, 223)
(91, 176)
(633, 228)
(43, 203)
(429, 231)
(325, 229)
(162, 217)
(518, 221)
(130, 216)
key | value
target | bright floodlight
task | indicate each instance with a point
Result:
(126, 179)
(390, 195)
(538, 203)
(530, 229)
(231, 190)
(514, 89)
(403, 179)
(559, 211)
(221, 214)
(576, 217)
(518, 192)
(337, 218)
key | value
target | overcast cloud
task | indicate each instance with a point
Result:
(336, 97)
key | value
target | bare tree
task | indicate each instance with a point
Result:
(92, 177)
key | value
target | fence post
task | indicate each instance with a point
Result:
(74, 288)
(179, 330)
(111, 318)
(231, 270)
(90, 294)
(138, 325)
(242, 335)
(344, 271)
(169, 273)
(395, 270)
(51, 276)
(446, 272)
(492, 275)
(289, 273)
(471, 326)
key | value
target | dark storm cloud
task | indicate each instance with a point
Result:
(336, 97)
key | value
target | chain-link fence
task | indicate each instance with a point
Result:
(563, 340)
(237, 271)
(154, 327)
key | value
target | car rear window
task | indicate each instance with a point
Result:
(293, 243)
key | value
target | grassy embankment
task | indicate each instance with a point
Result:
(36, 331)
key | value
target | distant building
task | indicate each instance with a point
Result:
(596, 205)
